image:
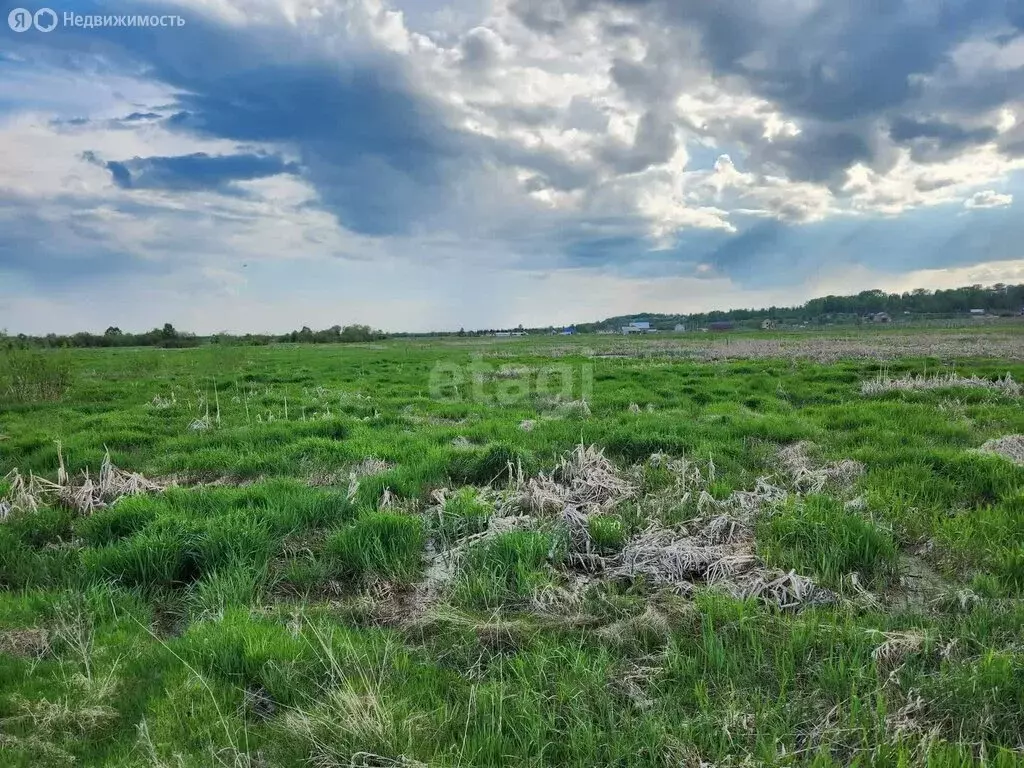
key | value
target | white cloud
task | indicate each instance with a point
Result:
(989, 198)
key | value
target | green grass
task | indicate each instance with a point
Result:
(505, 571)
(265, 620)
(378, 544)
(818, 537)
(463, 514)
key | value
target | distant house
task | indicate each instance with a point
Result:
(680, 328)
(724, 325)
(520, 333)
(569, 331)
(638, 327)
(881, 317)
(767, 324)
(503, 334)
(977, 312)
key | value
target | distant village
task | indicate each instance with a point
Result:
(684, 325)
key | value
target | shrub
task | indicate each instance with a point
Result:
(31, 376)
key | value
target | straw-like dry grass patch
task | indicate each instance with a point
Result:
(1010, 447)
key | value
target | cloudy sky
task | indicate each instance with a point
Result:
(436, 164)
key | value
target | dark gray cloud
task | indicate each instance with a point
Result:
(836, 60)
(67, 246)
(480, 49)
(363, 137)
(906, 129)
(198, 171)
(933, 140)
(655, 143)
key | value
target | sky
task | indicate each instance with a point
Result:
(429, 165)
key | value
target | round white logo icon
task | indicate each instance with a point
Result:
(20, 20)
(45, 20)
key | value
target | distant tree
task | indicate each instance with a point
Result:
(113, 331)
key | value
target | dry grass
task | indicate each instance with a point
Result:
(717, 548)
(112, 484)
(31, 643)
(1010, 447)
(368, 467)
(83, 494)
(25, 495)
(578, 409)
(664, 556)
(896, 648)
(884, 383)
(1007, 345)
(719, 552)
(584, 479)
(808, 478)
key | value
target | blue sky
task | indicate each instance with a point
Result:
(418, 164)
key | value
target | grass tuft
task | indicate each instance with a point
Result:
(817, 535)
(378, 544)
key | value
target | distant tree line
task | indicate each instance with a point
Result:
(170, 337)
(999, 299)
(996, 299)
(336, 334)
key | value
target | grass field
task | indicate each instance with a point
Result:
(755, 549)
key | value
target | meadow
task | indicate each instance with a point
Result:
(749, 549)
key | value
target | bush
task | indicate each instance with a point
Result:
(31, 376)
